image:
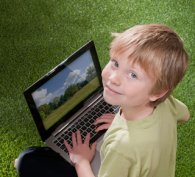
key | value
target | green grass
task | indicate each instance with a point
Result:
(37, 35)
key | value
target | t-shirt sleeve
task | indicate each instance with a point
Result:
(179, 108)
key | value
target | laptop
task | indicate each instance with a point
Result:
(69, 98)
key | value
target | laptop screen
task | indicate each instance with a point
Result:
(64, 89)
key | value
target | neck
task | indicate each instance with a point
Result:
(136, 113)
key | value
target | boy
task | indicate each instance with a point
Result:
(146, 63)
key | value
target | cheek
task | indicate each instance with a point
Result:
(105, 73)
(135, 90)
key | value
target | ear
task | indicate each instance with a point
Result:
(157, 96)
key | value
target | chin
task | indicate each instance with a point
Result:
(110, 100)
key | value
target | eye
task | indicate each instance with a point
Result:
(114, 63)
(132, 75)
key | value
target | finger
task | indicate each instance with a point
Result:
(108, 115)
(103, 120)
(102, 127)
(74, 141)
(68, 147)
(79, 139)
(87, 139)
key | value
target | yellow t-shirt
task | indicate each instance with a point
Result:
(143, 148)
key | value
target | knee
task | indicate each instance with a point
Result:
(25, 160)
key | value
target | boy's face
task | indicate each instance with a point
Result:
(125, 84)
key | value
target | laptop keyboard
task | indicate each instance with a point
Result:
(85, 125)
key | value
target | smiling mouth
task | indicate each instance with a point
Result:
(111, 90)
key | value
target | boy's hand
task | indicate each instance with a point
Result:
(104, 121)
(80, 151)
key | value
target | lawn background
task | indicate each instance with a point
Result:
(36, 35)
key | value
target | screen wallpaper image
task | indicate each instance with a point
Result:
(64, 91)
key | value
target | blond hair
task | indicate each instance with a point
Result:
(158, 50)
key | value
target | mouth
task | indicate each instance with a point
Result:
(107, 88)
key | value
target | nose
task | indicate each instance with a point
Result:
(114, 78)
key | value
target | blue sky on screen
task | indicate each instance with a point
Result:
(56, 86)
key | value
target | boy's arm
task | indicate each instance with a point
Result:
(185, 118)
(84, 169)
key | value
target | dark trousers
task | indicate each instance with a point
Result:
(43, 162)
